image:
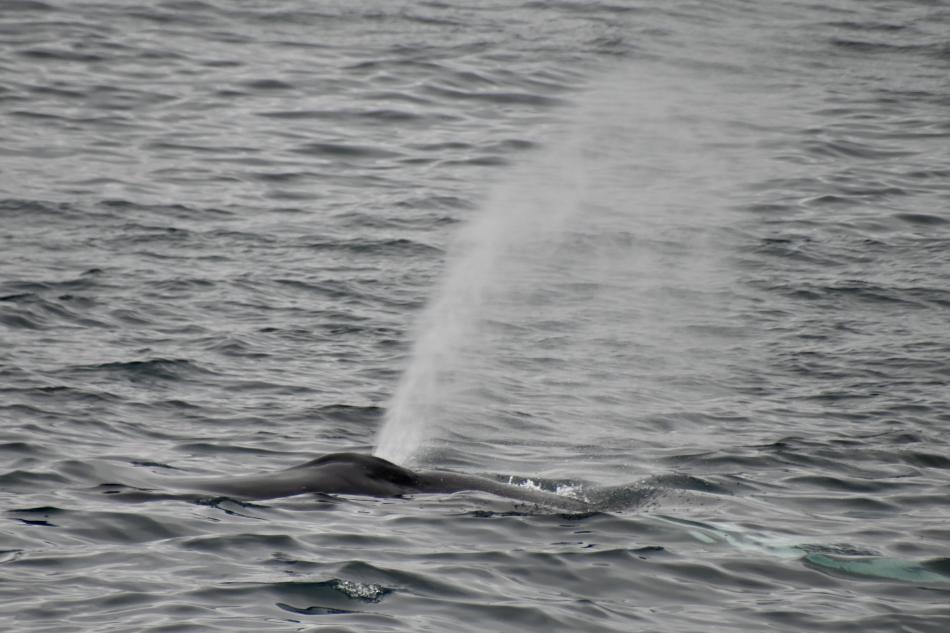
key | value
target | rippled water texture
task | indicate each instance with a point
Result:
(686, 259)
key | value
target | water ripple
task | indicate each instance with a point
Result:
(712, 296)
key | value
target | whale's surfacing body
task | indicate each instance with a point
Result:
(366, 475)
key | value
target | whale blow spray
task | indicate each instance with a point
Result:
(488, 255)
(565, 296)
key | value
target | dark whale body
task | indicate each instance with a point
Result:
(356, 474)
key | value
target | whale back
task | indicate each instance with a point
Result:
(367, 475)
(337, 473)
(441, 481)
(363, 470)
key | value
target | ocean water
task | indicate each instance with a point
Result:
(690, 260)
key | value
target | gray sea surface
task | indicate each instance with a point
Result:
(687, 260)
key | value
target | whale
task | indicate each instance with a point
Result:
(357, 474)
(367, 475)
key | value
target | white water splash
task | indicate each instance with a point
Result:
(574, 491)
